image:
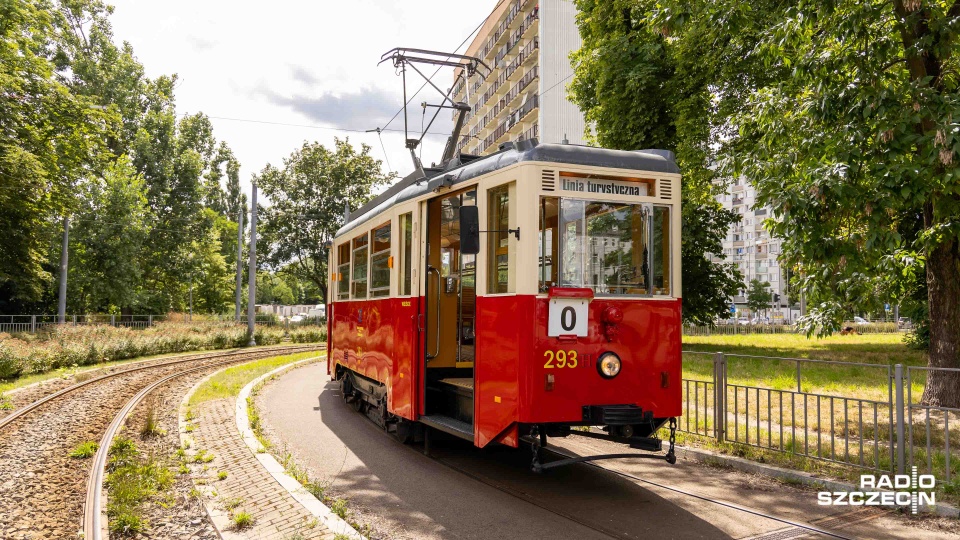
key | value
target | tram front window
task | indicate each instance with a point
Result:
(613, 248)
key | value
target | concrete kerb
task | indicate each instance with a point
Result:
(296, 490)
(752, 467)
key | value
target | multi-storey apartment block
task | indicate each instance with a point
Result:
(527, 44)
(749, 245)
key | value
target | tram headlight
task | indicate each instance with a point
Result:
(608, 365)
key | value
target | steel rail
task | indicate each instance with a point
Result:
(23, 411)
(614, 534)
(92, 506)
(726, 504)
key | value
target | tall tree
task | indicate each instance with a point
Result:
(48, 136)
(758, 296)
(637, 90)
(856, 149)
(108, 235)
(307, 199)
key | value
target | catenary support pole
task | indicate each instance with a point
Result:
(240, 212)
(64, 255)
(252, 282)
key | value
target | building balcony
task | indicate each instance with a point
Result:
(737, 188)
(738, 243)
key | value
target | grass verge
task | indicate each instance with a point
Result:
(229, 382)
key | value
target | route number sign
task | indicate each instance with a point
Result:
(567, 317)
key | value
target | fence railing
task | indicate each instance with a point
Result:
(12, 324)
(744, 329)
(881, 429)
(32, 323)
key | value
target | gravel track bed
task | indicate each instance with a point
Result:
(177, 514)
(42, 489)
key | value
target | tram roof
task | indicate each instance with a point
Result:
(466, 167)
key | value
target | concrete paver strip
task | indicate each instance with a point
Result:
(249, 486)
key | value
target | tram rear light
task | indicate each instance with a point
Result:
(549, 383)
(609, 365)
(612, 315)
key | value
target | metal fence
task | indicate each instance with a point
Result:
(745, 329)
(882, 429)
(33, 323)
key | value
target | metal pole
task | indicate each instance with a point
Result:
(720, 393)
(898, 381)
(252, 281)
(191, 296)
(64, 249)
(239, 262)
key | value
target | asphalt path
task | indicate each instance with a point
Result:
(463, 492)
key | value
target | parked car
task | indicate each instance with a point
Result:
(860, 320)
(905, 323)
(760, 320)
(296, 318)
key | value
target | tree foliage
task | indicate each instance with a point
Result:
(308, 196)
(638, 89)
(758, 296)
(83, 132)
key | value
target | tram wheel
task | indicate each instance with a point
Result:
(358, 403)
(404, 431)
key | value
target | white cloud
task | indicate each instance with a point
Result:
(300, 63)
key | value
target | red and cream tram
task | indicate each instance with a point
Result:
(515, 295)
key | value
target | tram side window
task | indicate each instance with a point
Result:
(359, 279)
(406, 241)
(661, 250)
(380, 262)
(498, 240)
(549, 243)
(343, 271)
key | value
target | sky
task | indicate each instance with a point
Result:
(273, 75)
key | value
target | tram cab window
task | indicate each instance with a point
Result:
(343, 271)
(380, 262)
(359, 278)
(607, 247)
(406, 241)
(548, 243)
(498, 240)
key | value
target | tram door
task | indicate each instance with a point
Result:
(451, 312)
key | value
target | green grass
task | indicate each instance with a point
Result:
(241, 520)
(84, 450)
(228, 382)
(134, 478)
(865, 382)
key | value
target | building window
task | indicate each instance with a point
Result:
(380, 262)
(406, 264)
(498, 240)
(359, 278)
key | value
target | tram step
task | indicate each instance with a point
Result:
(449, 425)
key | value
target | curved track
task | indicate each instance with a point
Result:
(46, 487)
(593, 525)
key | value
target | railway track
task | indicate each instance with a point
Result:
(613, 533)
(44, 489)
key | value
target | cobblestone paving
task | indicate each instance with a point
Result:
(248, 486)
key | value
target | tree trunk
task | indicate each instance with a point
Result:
(943, 296)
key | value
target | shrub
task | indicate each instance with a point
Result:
(65, 345)
(308, 334)
(242, 520)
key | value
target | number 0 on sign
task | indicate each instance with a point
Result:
(568, 317)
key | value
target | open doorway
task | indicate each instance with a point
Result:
(450, 287)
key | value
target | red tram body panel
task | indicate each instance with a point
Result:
(585, 332)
